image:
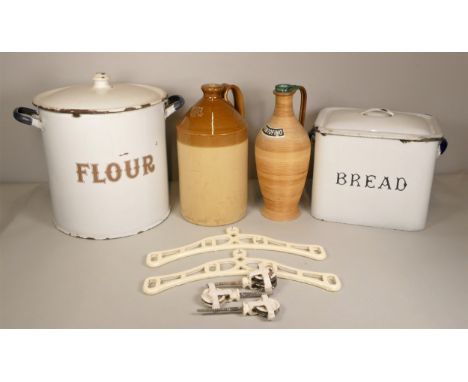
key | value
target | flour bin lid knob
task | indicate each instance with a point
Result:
(100, 96)
(101, 81)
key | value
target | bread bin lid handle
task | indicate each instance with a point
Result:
(378, 112)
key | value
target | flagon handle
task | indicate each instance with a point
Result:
(291, 89)
(303, 104)
(238, 97)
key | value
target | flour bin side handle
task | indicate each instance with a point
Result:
(27, 116)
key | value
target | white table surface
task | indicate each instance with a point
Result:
(391, 279)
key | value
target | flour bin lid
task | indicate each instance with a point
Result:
(100, 96)
(377, 123)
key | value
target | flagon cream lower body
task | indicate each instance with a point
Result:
(213, 183)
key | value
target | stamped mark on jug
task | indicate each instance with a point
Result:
(197, 111)
(271, 132)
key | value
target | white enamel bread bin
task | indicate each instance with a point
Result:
(105, 146)
(374, 167)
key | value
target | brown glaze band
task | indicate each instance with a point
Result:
(214, 121)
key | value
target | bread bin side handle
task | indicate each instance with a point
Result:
(27, 116)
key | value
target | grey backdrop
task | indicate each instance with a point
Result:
(422, 82)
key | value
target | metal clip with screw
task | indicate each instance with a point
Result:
(263, 279)
(214, 297)
(264, 307)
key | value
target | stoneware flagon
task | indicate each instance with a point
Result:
(105, 145)
(282, 154)
(212, 152)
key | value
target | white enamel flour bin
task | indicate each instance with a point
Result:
(374, 167)
(105, 146)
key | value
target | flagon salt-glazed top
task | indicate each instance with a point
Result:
(213, 121)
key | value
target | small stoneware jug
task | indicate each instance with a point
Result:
(282, 154)
(212, 151)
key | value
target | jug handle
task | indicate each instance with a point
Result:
(303, 104)
(238, 97)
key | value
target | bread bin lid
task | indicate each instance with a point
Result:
(100, 96)
(377, 123)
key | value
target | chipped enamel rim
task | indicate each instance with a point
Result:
(100, 97)
(98, 111)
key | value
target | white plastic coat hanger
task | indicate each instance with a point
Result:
(233, 239)
(240, 265)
